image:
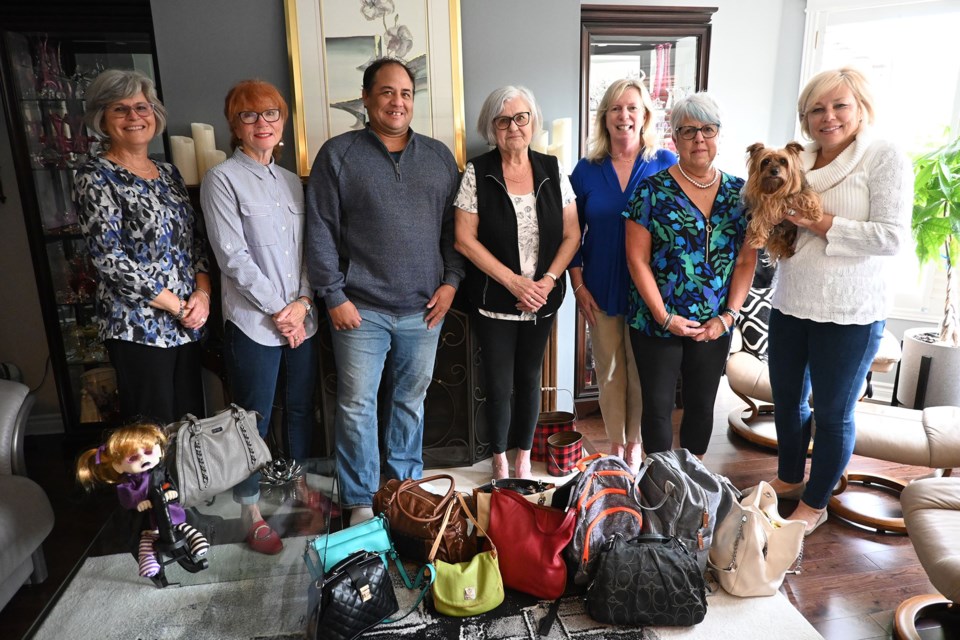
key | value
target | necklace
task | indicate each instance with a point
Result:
(148, 171)
(520, 179)
(699, 185)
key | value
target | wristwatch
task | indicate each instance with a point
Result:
(306, 304)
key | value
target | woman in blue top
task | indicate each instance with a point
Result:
(622, 152)
(690, 278)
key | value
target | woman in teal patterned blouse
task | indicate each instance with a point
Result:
(689, 279)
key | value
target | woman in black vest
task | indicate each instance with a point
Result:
(516, 222)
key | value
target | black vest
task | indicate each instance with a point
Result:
(497, 230)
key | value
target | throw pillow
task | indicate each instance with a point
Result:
(754, 321)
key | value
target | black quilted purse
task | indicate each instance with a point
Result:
(649, 580)
(355, 595)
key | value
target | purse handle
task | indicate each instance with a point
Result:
(446, 520)
(406, 485)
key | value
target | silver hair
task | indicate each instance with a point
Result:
(118, 84)
(493, 106)
(698, 106)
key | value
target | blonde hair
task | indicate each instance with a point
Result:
(825, 82)
(598, 147)
(95, 466)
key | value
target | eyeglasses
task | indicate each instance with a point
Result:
(689, 133)
(142, 109)
(503, 122)
(251, 117)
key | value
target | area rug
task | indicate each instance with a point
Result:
(107, 601)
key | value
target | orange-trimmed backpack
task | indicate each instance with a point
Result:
(607, 501)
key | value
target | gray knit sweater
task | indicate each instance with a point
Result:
(379, 232)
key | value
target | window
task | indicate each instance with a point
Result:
(907, 48)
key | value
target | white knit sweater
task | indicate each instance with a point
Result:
(844, 278)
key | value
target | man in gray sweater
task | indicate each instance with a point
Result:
(379, 251)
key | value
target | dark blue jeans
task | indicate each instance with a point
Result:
(253, 373)
(512, 352)
(832, 360)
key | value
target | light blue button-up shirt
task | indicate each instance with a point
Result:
(255, 218)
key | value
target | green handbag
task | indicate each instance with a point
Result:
(466, 588)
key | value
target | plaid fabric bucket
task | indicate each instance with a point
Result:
(549, 423)
(564, 449)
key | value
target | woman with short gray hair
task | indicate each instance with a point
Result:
(690, 275)
(153, 294)
(516, 222)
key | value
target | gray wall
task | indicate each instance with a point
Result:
(204, 48)
(534, 43)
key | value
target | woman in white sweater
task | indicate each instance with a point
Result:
(831, 298)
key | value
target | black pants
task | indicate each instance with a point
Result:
(660, 362)
(512, 354)
(157, 384)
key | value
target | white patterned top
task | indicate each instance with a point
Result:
(528, 235)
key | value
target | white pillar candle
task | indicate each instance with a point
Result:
(185, 158)
(203, 141)
(556, 150)
(213, 158)
(539, 142)
(562, 137)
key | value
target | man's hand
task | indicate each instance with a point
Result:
(345, 317)
(439, 305)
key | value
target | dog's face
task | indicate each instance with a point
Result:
(775, 171)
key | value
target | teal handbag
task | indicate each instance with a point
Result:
(372, 535)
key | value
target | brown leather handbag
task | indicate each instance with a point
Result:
(416, 519)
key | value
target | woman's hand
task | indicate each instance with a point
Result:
(296, 337)
(684, 328)
(712, 329)
(196, 309)
(587, 304)
(290, 317)
(530, 295)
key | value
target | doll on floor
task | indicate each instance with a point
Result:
(126, 460)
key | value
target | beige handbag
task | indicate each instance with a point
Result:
(754, 548)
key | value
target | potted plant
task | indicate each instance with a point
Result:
(936, 229)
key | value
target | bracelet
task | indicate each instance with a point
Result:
(726, 327)
(306, 305)
(733, 313)
(666, 323)
(182, 311)
(577, 288)
(550, 275)
(201, 290)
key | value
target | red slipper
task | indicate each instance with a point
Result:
(263, 539)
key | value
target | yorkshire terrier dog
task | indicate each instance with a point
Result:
(776, 188)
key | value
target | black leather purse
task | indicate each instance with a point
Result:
(355, 595)
(648, 580)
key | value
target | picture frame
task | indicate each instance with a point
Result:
(330, 42)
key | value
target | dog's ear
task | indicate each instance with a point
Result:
(794, 147)
(754, 148)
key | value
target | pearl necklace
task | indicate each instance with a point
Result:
(699, 185)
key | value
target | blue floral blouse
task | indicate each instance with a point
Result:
(692, 258)
(142, 236)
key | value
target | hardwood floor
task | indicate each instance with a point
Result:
(852, 582)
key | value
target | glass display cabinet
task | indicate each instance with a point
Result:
(44, 76)
(668, 49)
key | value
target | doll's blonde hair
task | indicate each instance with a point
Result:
(96, 465)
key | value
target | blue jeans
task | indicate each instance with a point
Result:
(361, 354)
(832, 360)
(253, 373)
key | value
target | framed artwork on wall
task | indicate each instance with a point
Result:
(331, 42)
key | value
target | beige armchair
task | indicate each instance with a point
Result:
(931, 508)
